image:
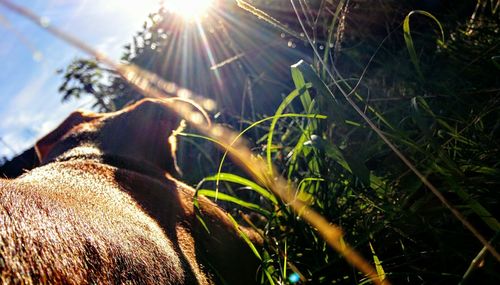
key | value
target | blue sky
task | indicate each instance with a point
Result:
(30, 105)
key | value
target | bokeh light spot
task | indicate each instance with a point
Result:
(294, 278)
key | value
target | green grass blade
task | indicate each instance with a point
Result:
(310, 75)
(350, 163)
(409, 41)
(244, 236)
(232, 199)
(309, 116)
(300, 84)
(243, 181)
(288, 99)
(378, 264)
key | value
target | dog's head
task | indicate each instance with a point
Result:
(142, 132)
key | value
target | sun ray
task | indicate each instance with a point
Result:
(189, 10)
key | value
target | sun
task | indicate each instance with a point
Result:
(190, 10)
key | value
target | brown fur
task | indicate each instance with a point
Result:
(103, 209)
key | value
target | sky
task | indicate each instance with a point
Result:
(30, 105)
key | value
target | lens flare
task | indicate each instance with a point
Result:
(190, 10)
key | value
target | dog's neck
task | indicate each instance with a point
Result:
(89, 153)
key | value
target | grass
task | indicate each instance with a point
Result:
(351, 176)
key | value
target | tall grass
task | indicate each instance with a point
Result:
(349, 174)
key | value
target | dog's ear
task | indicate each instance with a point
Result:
(45, 144)
(143, 131)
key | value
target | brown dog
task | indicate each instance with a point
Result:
(103, 209)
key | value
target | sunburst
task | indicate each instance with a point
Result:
(189, 10)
